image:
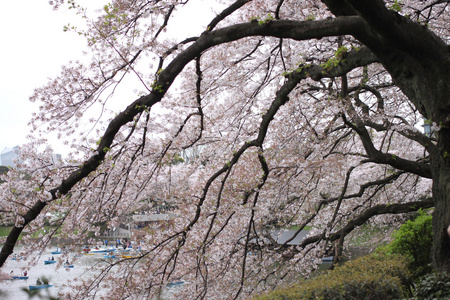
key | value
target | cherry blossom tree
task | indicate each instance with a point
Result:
(292, 114)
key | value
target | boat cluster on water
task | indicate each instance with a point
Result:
(39, 284)
(112, 252)
(108, 253)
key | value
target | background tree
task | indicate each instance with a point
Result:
(299, 113)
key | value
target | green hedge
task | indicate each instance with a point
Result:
(413, 240)
(372, 277)
(433, 286)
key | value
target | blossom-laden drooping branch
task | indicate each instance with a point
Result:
(276, 115)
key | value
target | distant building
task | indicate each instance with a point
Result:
(56, 158)
(8, 155)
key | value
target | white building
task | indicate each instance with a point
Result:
(8, 155)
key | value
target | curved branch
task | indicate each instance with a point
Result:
(376, 156)
(278, 28)
(409, 133)
(365, 186)
(376, 210)
(226, 12)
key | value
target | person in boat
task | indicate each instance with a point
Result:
(38, 282)
(67, 262)
(25, 273)
(53, 258)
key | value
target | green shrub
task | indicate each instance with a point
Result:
(375, 276)
(413, 240)
(433, 286)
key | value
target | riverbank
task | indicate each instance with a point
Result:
(56, 239)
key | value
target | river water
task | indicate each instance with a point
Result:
(57, 276)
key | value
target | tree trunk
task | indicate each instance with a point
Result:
(419, 63)
(440, 253)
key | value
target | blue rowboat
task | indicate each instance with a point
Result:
(37, 287)
(68, 266)
(47, 262)
(57, 251)
(171, 284)
(20, 277)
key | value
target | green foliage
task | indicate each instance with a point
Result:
(311, 17)
(336, 59)
(433, 286)
(264, 21)
(5, 230)
(4, 169)
(413, 240)
(72, 4)
(375, 276)
(368, 236)
(397, 6)
(177, 159)
(157, 87)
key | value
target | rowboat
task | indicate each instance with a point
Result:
(109, 256)
(129, 256)
(42, 286)
(99, 250)
(68, 266)
(48, 262)
(171, 284)
(20, 277)
(57, 251)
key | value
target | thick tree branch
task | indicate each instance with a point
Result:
(377, 210)
(409, 53)
(281, 29)
(376, 156)
(225, 13)
(409, 133)
(400, 32)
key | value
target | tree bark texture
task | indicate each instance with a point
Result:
(440, 253)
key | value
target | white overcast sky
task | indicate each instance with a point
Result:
(34, 47)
